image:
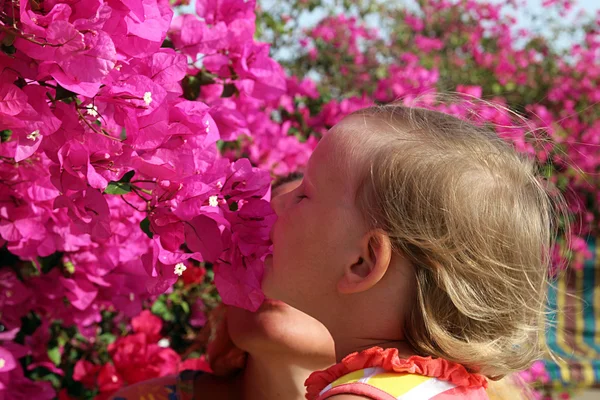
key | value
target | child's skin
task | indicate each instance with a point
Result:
(328, 263)
(283, 344)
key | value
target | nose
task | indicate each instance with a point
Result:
(278, 203)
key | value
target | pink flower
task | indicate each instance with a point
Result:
(86, 373)
(474, 91)
(225, 10)
(149, 324)
(203, 236)
(196, 364)
(80, 292)
(88, 210)
(136, 360)
(239, 282)
(427, 45)
(108, 379)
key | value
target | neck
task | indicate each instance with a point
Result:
(269, 378)
(351, 345)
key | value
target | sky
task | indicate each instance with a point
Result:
(591, 7)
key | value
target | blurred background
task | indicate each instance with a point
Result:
(538, 58)
(515, 52)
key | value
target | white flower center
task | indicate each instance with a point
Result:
(93, 111)
(179, 268)
(147, 98)
(34, 135)
(213, 201)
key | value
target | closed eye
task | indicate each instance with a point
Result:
(299, 198)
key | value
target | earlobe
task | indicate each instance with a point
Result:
(371, 265)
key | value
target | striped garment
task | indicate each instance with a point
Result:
(378, 384)
(573, 331)
(381, 374)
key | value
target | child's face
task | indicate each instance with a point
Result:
(317, 231)
(278, 328)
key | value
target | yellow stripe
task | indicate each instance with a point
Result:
(579, 317)
(596, 304)
(588, 373)
(349, 378)
(396, 384)
(560, 334)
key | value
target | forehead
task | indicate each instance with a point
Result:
(335, 164)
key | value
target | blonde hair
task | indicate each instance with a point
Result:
(477, 224)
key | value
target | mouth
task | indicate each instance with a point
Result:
(274, 303)
(268, 260)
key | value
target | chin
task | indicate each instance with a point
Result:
(268, 285)
(265, 329)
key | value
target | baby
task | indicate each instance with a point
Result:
(422, 242)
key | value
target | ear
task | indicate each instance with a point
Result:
(371, 265)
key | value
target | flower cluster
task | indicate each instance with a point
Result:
(137, 147)
(137, 357)
(112, 181)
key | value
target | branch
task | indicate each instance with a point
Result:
(84, 119)
(132, 206)
(18, 33)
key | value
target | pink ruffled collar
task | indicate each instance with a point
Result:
(389, 360)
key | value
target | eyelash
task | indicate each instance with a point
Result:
(299, 198)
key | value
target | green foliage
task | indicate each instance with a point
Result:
(122, 186)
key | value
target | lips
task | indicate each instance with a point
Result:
(274, 303)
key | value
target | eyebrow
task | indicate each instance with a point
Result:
(291, 177)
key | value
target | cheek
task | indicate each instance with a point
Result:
(291, 232)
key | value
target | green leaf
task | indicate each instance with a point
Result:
(167, 43)
(175, 297)
(62, 339)
(70, 267)
(8, 49)
(229, 90)
(63, 94)
(233, 206)
(191, 84)
(121, 186)
(160, 308)
(107, 337)
(145, 226)
(47, 263)
(210, 274)
(54, 355)
(127, 177)
(185, 307)
(5, 135)
(117, 188)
